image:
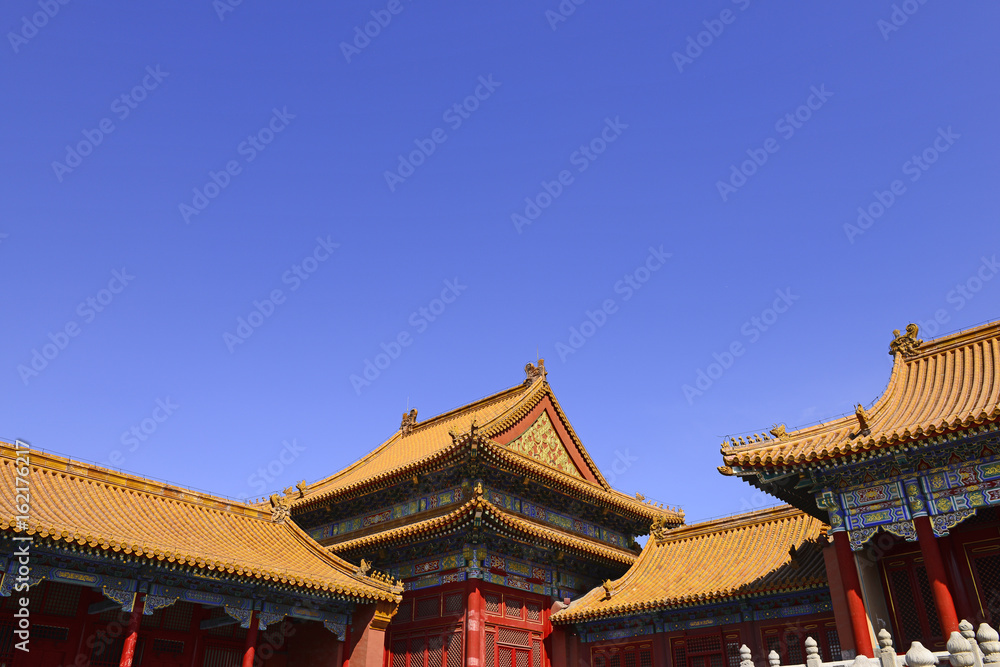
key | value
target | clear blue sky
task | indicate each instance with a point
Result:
(244, 136)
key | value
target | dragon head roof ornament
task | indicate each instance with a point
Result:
(905, 344)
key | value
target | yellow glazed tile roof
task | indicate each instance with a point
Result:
(947, 384)
(496, 516)
(432, 440)
(87, 505)
(427, 440)
(740, 556)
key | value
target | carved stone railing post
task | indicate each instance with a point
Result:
(970, 636)
(773, 659)
(960, 651)
(812, 653)
(745, 658)
(886, 653)
(989, 644)
(919, 656)
(862, 660)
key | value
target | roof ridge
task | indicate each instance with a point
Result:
(417, 427)
(97, 473)
(732, 522)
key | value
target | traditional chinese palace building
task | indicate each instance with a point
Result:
(487, 513)
(117, 569)
(487, 537)
(909, 487)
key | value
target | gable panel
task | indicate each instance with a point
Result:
(541, 442)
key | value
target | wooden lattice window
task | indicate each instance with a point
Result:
(428, 607)
(513, 637)
(177, 617)
(912, 601)
(492, 603)
(220, 656)
(513, 607)
(399, 653)
(833, 645)
(435, 652)
(405, 612)
(455, 657)
(51, 633)
(680, 654)
(491, 649)
(533, 612)
(732, 653)
(61, 599)
(168, 646)
(632, 655)
(536, 652)
(986, 568)
(453, 604)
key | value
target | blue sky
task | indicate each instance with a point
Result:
(621, 188)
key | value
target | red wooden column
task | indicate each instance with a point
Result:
(963, 604)
(474, 618)
(936, 573)
(346, 651)
(852, 591)
(250, 646)
(132, 635)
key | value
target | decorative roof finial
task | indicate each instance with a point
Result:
(409, 421)
(864, 422)
(608, 589)
(279, 509)
(535, 372)
(779, 432)
(363, 568)
(905, 344)
(659, 528)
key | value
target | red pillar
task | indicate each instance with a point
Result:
(474, 619)
(852, 591)
(250, 646)
(963, 603)
(368, 627)
(132, 636)
(936, 573)
(346, 651)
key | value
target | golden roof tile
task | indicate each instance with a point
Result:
(741, 556)
(936, 387)
(89, 505)
(492, 514)
(425, 442)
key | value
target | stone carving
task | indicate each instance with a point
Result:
(812, 653)
(408, 422)
(773, 659)
(960, 651)
(905, 344)
(746, 660)
(919, 656)
(989, 644)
